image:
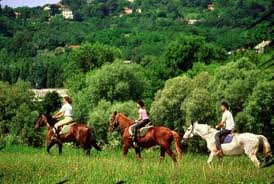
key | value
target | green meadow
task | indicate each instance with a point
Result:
(21, 164)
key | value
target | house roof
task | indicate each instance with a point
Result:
(262, 44)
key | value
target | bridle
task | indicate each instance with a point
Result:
(44, 119)
(115, 123)
(192, 129)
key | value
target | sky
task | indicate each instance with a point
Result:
(29, 3)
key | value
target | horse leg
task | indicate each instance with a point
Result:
(251, 151)
(171, 154)
(138, 153)
(50, 144)
(88, 151)
(60, 145)
(125, 150)
(255, 160)
(211, 156)
(162, 153)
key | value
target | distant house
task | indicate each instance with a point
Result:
(67, 13)
(59, 8)
(210, 7)
(127, 62)
(192, 21)
(40, 93)
(46, 8)
(260, 47)
(89, 1)
(73, 46)
(138, 10)
(127, 10)
(17, 14)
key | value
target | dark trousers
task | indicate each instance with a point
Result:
(139, 125)
(218, 136)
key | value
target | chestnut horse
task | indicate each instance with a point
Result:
(80, 134)
(159, 135)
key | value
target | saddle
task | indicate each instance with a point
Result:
(65, 129)
(227, 138)
(142, 131)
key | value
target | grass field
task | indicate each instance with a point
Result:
(21, 164)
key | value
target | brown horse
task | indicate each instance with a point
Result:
(159, 135)
(80, 134)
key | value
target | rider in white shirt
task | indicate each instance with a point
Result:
(228, 122)
(65, 111)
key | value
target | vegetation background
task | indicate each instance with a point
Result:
(182, 71)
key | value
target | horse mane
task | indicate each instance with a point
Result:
(124, 116)
(50, 119)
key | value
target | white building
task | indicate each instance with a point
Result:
(40, 93)
(67, 13)
(260, 47)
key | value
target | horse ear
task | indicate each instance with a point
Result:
(115, 113)
(194, 123)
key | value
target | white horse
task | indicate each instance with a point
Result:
(242, 143)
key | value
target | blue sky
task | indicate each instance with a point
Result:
(30, 3)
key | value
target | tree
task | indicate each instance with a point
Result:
(99, 116)
(182, 53)
(90, 56)
(18, 114)
(51, 102)
(234, 83)
(257, 115)
(166, 108)
(112, 82)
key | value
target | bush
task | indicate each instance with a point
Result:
(113, 82)
(100, 116)
(18, 114)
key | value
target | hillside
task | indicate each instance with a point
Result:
(33, 38)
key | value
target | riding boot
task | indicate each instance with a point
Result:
(220, 153)
(135, 141)
(56, 134)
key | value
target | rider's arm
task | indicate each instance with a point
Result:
(140, 117)
(58, 114)
(220, 124)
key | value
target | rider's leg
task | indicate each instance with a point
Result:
(217, 140)
(137, 127)
(64, 121)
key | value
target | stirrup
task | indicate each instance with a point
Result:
(135, 144)
(220, 153)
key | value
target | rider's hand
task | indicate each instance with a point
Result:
(217, 126)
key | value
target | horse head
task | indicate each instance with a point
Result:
(197, 129)
(40, 121)
(113, 124)
(119, 119)
(46, 120)
(191, 131)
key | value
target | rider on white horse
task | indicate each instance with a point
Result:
(228, 122)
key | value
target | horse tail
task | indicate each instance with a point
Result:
(91, 141)
(266, 147)
(177, 144)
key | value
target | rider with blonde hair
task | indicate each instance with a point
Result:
(65, 111)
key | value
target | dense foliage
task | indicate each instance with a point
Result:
(108, 59)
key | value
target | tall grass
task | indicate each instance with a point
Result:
(20, 164)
